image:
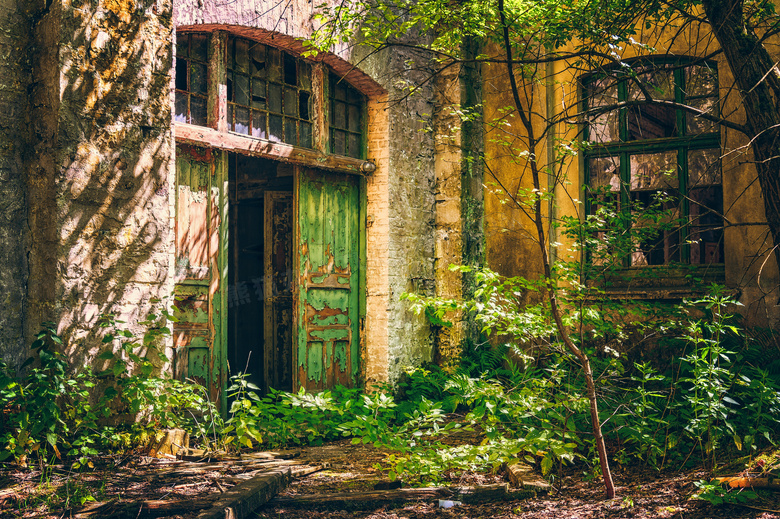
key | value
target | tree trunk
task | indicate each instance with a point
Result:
(609, 486)
(758, 80)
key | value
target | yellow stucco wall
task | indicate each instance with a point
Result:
(750, 268)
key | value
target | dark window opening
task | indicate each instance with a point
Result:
(347, 118)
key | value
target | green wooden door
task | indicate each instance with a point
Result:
(328, 315)
(199, 291)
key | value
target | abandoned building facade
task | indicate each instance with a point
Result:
(190, 153)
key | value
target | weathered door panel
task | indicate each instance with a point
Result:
(199, 301)
(278, 237)
(328, 207)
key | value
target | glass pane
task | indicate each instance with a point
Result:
(198, 110)
(703, 168)
(696, 124)
(241, 93)
(200, 47)
(604, 128)
(241, 63)
(701, 80)
(290, 131)
(306, 138)
(304, 70)
(180, 111)
(602, 92)
(354, 146)
(257, 59)
(706, 245)
(258, 125)
(658, 84)
(274, 66)
(339, 115)
(258, 94)
(354, 118)
(339, 142)
(291, 102)
(182, 45)
(290, 70)
(651, 122)
(198, 78)
(304, 99)
(339, 89)
(274, 97)
(230, 117)
(275, 128)
(242, 120)
(181, 74)
(230, 87)
(654, 171)
(605, 172)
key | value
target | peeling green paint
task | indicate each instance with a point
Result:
(329, 299)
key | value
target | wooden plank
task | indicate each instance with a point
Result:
(209, 137)
(523, 476)
(363, 500)
(243, 499)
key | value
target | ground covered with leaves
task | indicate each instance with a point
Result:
(642, 491)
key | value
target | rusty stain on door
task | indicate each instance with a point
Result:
(328, 206)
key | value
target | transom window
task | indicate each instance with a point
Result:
(271, 95)
(645, 150)
(346, 125)
(191, 78)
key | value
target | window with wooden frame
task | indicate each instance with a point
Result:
(191, 78)
(346, 122)
(271, 94)
(647, 149)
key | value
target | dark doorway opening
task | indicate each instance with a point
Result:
(260, 271)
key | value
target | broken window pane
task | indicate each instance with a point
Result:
(258, 94)
(303, 105)
(290, 70)
(257, 60)
(651, 122)
(181, 74)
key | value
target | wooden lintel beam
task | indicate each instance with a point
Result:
(211, 138)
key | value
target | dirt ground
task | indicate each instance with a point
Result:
(135, 478)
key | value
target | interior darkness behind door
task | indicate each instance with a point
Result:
(260, 271)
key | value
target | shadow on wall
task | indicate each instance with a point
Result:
(110, 183)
